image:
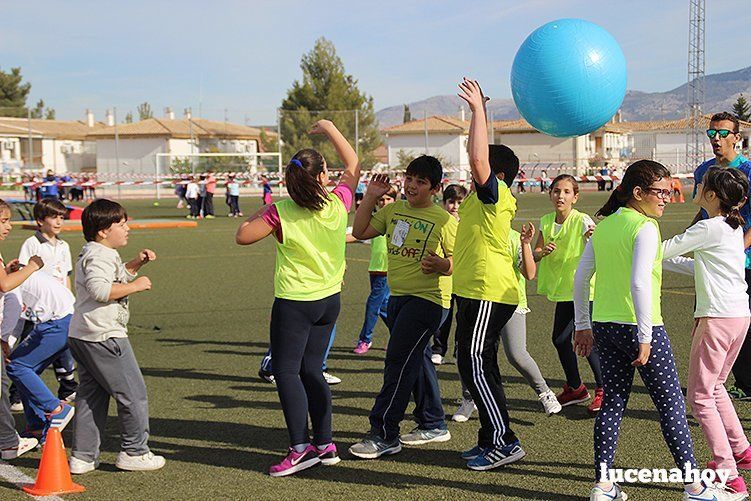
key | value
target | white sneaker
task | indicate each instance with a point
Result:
(436, 358)
(714, 493)
(16, 407)
(331, 379)
(145, 462)
(464, 412)
(614, 494)
(79, 466)
(550, 403)
(24, 445)
(70, 399)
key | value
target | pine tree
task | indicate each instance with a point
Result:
(144, 111)
(326, 91)
(13, 93)
(129, 117)
(741, 109)
(407, 115)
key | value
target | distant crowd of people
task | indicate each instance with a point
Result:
(37, 187)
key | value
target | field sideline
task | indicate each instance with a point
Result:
(199, 336)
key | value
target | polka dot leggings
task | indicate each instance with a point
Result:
(618, 346)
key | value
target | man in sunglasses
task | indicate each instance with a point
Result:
(723, 134)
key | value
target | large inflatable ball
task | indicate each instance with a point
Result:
(568, 78)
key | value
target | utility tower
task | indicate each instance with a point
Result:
(694, 132)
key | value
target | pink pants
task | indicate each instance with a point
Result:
(715, 346)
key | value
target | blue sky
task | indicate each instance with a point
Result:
(243, 56)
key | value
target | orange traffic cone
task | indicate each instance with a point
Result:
(54, 475)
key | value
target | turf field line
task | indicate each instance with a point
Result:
(19, 478)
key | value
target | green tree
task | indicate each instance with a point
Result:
(407, 115)
(129, 117)
(49, 114)
(741, 109)
(13, 93)
(326, 91)
(144, 111)
(39, 111)
(403, 158)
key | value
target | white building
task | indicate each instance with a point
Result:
(139, 143)
(57, 145)
(446, 137)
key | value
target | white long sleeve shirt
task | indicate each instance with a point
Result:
(646, 245)
(718, 267)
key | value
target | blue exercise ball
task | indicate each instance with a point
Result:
(568, 78)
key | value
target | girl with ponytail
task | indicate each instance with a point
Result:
(722, 313)
(627, 330)
(310, 230)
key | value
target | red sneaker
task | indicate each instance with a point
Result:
(737, 486)
(742, 461)
(571, 397)
(596, 404)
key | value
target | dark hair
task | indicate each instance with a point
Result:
(100, 215)
(49, 207)
(454, 191)
(504, 160)
(426, 167)
(731, 188)
(724, 115)
(641, 173)
(565, 177)
(301, 178)
(5, 206)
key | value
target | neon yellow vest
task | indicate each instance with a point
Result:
(515, 242)
(555, 273)
(613, 243)
(310, 260)
(378, 254)
(483, 265)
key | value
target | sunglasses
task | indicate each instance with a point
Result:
(711, 133)
(663, 194)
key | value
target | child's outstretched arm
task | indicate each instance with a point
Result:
(345, 151)
(529, 267)
(361, 227)
(253, 229)
(135, 264)
(479, 156)
(11, 276)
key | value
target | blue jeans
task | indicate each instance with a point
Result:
(267, 366)
(35, 353)
(376, 306)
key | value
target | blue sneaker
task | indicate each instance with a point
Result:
(493, 457)
(373, 446)
(61, 419)
(472, 453)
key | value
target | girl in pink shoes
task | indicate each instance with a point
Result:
(722, 314)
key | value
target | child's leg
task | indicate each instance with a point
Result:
(428, 411)
(478, 326)
(613, 342)
(563, 329)
(92, 403)
(127, 387)
(514, 339)
(8, 435)
(332, 337)
(266, 365)
(441, 335)
(378, 289)
(715, 344)
(65, 373)
(316, 389)
(28, 360)
(660, 377)
(291, 323)
(412, 320)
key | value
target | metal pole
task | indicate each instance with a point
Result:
(117, 152)
(425, 117)
(491, 136)
(156, 177)
(192, 141)
(279, 139)
(357, 133)
(31, 142)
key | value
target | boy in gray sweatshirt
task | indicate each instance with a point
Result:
(98, 338)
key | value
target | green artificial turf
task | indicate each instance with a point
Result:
(200, 333)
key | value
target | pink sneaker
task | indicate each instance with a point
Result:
(296, 461)
(742, 461)
(329, 456)
(737, 485)
(362, 347)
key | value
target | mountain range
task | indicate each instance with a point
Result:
(722, 90)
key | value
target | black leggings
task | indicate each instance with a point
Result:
(299, 338)
(563, 331)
